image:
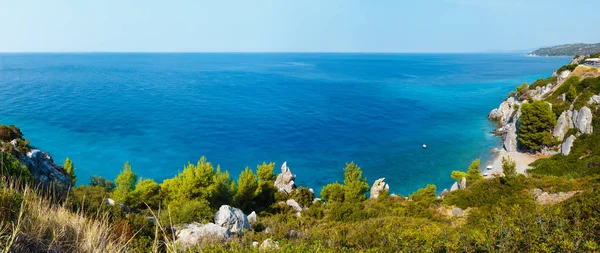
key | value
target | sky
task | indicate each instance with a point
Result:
(294, 25)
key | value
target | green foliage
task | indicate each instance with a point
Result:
(333, 192)
(266, 185)
(10, 167)
(543, 82)
(9, 133)
(180, 212)
(265, 172)
(104, 183)
(570, 67)
(536, 123)
(303, 196)
(70, 169)
(124, 184)
(89, 199)
(247, 190)
(425, 196)
(147, 191)
(509, 167)
(473, 173)
(355, 185)
(522, 89)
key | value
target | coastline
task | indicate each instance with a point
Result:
(522, 161)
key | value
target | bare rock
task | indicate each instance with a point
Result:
(545, 198)
(463, 183)
(444, 192)
(595, 99)
(510, 139)
(285, 180)
(454, 187)
(269, 245)
(378, 186)
(232, 219)
(565, 147)
(457, 212)
(563, 124)
(563, 75)
(195, 233)
(504, 112)
(295, 206)
(252, 218)
(42, 167)
(583, 120)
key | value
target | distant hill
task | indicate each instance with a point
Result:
(568, 50)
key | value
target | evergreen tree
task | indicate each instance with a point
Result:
(70, 168)
(333, 192)
(355, 185)
(509, 167)
(247, 190)
(124, 183)
(537, 121)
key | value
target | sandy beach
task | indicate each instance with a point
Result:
(522, 160)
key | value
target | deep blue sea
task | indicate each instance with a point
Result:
(315, 111)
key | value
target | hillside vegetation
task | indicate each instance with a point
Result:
(202, 208)
(568, 50)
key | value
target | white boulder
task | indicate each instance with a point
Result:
(565, 147)
(232, 219)
(195, 233)
(285, 181)
(378, 186)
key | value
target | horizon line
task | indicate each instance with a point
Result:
(259, 52)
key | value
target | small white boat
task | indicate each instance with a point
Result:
(424, 146)
(489, 167)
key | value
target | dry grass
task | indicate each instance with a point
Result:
(584, 72)
(41, 226)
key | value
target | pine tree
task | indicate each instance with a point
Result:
(124, 183)
(70, 168)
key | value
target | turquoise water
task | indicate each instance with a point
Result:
(316, 111)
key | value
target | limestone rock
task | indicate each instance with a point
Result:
(255, 244)
(195, 233)
(504, 112)
(269, 245)
(295, 206)
(577, 60)
(43, 168)
(110, 201)
(444, 192)
(563, 124)
(565, 147)
(595, 99)
(379, 186)
(510, 139)
(563, 75)
(252, 218)
(583, 120)
(232, 219)
(463, 183)
(285, 180)
(454, 187)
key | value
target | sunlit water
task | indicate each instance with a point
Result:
(315, 111)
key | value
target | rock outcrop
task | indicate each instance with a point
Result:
(232, 219)
(583, 120)
(545, 198)
(510, 139)
(46, 172)
(463, 183)
(192, 234)
(563, 75)
(457, 212)
(504, 112)
(595, 99)
(378, 186)
(454, 187)
(563, 124)
(269, 245)
(285, 180)
(565, 147)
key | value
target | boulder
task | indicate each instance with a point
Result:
(195, 233)
(563, 75)
(583, 120)
(595, 99)
(454, 187)
(269, 245)
(295, 206)
(463, 183)
(255, 244)
(510, 139)
(252, 218)
(565, 147)
(379, 186)
(232, 219)
(110, 201)
(285, 181)
(444, 192)
(563, 124)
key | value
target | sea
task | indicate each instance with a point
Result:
(317, 111)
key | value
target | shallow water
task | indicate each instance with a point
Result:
(316, 111)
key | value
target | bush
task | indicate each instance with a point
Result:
(570, 67)
(543, 82)
(9, 133)
(101, 182)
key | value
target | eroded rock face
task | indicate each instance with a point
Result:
(295, 206)
(42, 167)
(546, 198)
(378, 186)
(565, 147)
(463, 183)
(232, 219)
(563, 124)
(504, 112)
(192, 234)
(285, 180)
(454, 187)
(563, 75)
(252, 218)
(583, 120)
(595, 99)
(510, 139)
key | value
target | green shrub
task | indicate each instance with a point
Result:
(570, 67)
(543, 82)
(101, 182)
(536, 123)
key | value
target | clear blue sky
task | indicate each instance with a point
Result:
(294, 25)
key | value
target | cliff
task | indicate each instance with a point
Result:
(568, 50)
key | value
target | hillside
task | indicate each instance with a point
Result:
(552, 207)
(568, 50)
